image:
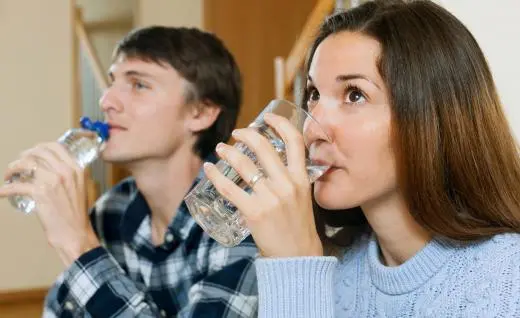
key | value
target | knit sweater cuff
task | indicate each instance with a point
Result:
(296, 287)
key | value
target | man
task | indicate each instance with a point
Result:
(174, 94)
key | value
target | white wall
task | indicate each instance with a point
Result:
(35, 103)
(496, 26)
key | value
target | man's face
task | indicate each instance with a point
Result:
(145, 108)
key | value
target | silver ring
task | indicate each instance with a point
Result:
(256, 178)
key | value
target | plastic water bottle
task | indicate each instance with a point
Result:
(83, 145)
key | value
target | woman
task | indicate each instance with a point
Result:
(423, 196)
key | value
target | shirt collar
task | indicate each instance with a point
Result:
(138, 212)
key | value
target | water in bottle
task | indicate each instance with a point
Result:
(84, 144)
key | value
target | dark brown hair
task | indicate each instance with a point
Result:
(458, 165)
(204, 61)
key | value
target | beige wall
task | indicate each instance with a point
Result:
(170, 12)
(114, 14)
(36, 91)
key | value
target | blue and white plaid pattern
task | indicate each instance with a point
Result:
(189, 275)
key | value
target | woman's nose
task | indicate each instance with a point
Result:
(316, 126)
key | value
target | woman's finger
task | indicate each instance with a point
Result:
(228, 189)
(264, 151)
(294, 145)
(244, 166)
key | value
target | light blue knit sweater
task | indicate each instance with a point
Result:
(444, 279)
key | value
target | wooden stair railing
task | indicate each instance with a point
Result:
(86, 44)
(286, 70)
(92, 187)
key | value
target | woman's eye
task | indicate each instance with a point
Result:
(313, 96)
(355, 96)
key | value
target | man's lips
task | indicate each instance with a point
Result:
(115, 126)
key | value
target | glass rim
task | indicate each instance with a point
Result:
(299, 108)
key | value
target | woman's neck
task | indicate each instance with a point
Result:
(399, 236)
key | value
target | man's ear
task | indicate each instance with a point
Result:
(202, 115)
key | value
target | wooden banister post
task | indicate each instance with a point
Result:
(296, 57)
(279, 77)
(85, 41)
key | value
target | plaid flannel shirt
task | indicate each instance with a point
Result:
(189, 275)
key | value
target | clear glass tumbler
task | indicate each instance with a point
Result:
(219, 217)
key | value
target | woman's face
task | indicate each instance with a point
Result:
(348, 97)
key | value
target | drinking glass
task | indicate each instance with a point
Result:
(219, 217)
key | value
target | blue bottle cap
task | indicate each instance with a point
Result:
(101, 128)
(85, 123)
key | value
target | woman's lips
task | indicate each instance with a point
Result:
(320, 162)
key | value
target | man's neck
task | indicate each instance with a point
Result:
(164, 183)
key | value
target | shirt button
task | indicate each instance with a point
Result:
(69, 305)
(169, 237)
(163, 313)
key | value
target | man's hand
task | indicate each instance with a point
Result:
(59, 191)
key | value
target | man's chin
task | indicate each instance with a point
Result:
(113, 158)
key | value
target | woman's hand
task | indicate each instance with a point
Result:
(278, 212)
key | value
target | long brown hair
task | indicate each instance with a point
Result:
(458, 165)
